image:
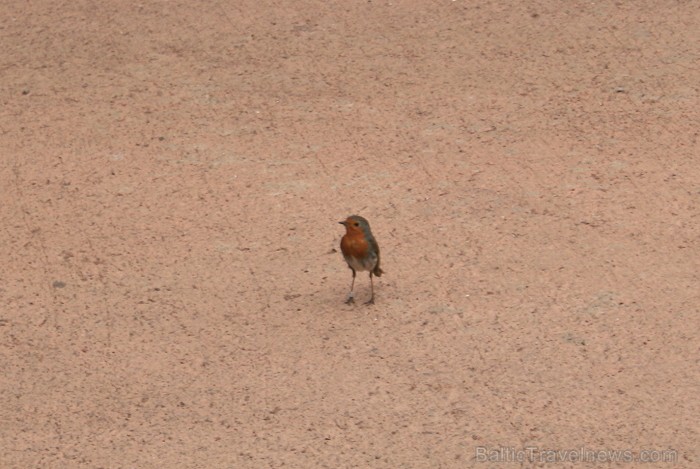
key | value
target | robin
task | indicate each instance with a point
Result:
(360, 251)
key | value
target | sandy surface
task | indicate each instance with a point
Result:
(172, 174)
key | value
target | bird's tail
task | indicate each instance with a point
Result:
(377, 271)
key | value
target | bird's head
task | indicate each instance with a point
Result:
(355, 224)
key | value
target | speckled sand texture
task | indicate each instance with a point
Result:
(171, 178)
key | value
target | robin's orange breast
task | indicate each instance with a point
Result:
(354, 246)
(358, 252)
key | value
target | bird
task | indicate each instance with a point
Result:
(360, 251)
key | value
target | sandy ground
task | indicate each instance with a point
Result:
(171, 178)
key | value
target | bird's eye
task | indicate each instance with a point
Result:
(357, 224)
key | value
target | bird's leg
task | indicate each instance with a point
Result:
(351, 295)
(371, 283)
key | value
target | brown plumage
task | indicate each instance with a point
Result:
(360, 251)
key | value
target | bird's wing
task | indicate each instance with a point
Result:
(373, 243)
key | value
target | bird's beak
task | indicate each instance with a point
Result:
(341, 222)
